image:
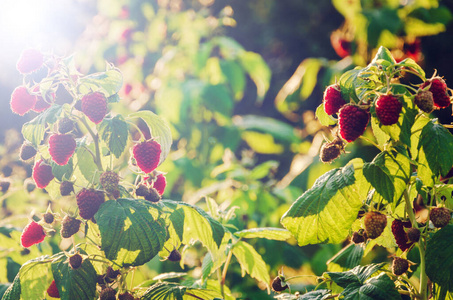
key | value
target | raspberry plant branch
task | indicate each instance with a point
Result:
(95, 137)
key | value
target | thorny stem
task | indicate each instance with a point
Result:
(423, 277)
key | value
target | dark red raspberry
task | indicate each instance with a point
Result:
(52, 291)
(359, 237)
(424, 101)
(75, 261)
(33, 234)
(153, 195)
(439, 89)
(142, 191)
(65, 125)
(160, 183)
(61, 148)
(27, 151)
(352, 121)
(4, 185)
(413, 234)
(111, 275)
(48, 217)
(125, 296)
(399, 266)
(94, 106)
(69, 226)
(42, 174)
(331, 150)
(30, 60)
(332, 99)
(400, 234)
(88, 201)
(22, 101)
(374, 223)
(147, 155)
(388, 109)
(440, 216)
(66, 188)
(279, 284)
(109, 181)
(107, 294)
(174, 255)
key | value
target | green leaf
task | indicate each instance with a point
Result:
(258, 70)
(439, 258)
(192, 223)
(325, 213)
(389, 174)
(132, 231)
(315, 295)
(381, 136)
(269, 233)
(263, 170)
(61, 172)
(14, 290)
(411, 64)
(86, 164)
(159, 130)
(235, 77)
(108, 82)
(323, 117)
(114, 132)
(169, 290)
(278, 129)
(348, 257)
(383, 54)
(357, 286)
(34, 130)
(74, 283)
(436, 142)
(251, 262)
(348, 84)
(218, 99)
(33, 278)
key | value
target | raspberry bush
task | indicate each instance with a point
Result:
(401, 200)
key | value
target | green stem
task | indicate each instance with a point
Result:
(299, 276)
(95, 138)
(225, 267)
(423, 277)
(219, 278)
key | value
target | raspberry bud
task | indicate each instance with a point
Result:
(399, 266)
(424, 101)
(440, 216)
(75, 261)
(66, 188)
(27, 151)
(374, 223)
(332, 99)
(69, 226)
(279, 284)
(352, 121)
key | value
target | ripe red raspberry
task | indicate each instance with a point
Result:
(332, 99)
(374, 223)
(160, 183)
(400, 234)
(52, 291)
(69, 226)
(439, 89)
(75, 261)
(279, 284)
(341, 45)
(94, 106)
(109, 181)
(61, 148)
(65, 125)
(66, 187)
(388, 109)
(30, 60)
(331, 150)
(399, 266)
(88, 201)
(33, 234)
(27, 151)
(147, 155)
(424, 101)
(440, 216)
(42, 174)
(352, 121)
(107, 294)
(22, 101)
